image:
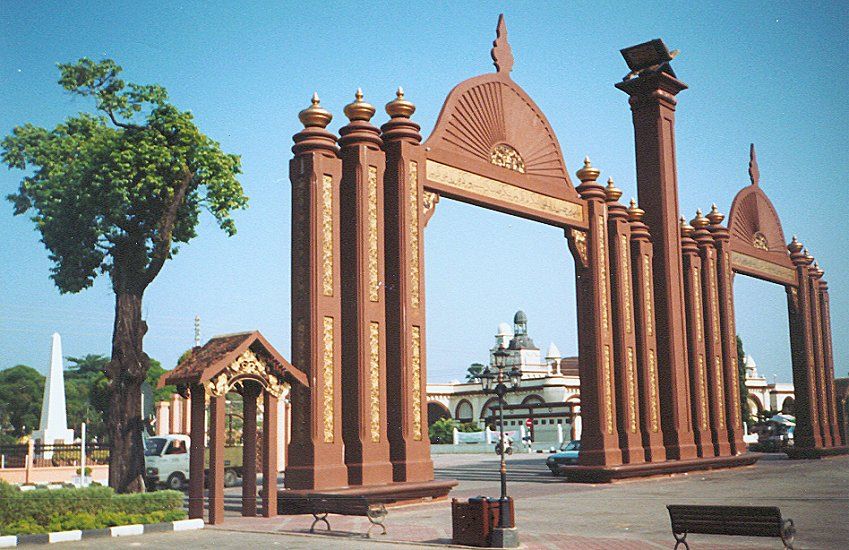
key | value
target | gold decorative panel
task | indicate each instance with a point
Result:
(703, 399)
(580, 239)
(374, 380)
(602, 274)
(416, 381)
(714, 299)
(249, 365)
(506, 157)
(413, 235)
(373, 268)
(608, 391)
(735, 389)
(746, 262)
(759, 241)
(565, 211)
(647, 282)
(327, 379)
(697, 302)
(632, 391)
(720, 394)
(625, 278)
(327, 235)
(653, 401)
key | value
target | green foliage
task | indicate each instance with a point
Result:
(21, 391)
(473, 372)
(442, 431)
(153, 375)
(741, 377)
(113, 192)
(45, 510)
(469, 427)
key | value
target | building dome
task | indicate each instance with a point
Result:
(504, 329)
(553, 352)
(520, 318)
(751, 367)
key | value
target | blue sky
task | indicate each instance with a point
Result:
(769, 73)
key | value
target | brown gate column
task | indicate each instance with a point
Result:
(728, 337)
(406, 381)
(819, 359)
(315, 456)
(713, 336)
(197, 450)
(645, 326)
(652, 100)
(622, 321)
(363, 299)
(700, 408)
(269, 455)
(834, 417)
(599, 438)
(807, 432)
(249, 394)
(216, 459)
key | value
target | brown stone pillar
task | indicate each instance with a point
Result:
(599, 438)
(622, 323)
(652, 99)
(216, 459)
(315, 457)
(363, 299)
(713, 336)
(700, 401)
(197, 450)
(249, 394)
(645, 326)
(406, 381)
(828, 353)
(269, 455)
(807, 432)
(819, 359)
(728, 338)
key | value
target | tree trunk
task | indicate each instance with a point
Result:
(126, 372)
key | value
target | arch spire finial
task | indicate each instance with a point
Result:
(502, 54)
(754, 173)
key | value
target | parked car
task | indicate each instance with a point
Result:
(568, 454)
(166, 460)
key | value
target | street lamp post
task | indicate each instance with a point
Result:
(495, 379)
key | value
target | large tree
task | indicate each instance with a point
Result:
(114, 192)
(21, 389)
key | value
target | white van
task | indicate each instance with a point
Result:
(166, 462)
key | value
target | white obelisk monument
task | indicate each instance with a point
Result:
(54, 420)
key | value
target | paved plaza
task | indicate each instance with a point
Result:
(551, 513)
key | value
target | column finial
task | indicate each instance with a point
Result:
(502, 53)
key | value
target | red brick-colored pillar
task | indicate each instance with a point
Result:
(249, 394)
(216, 459)
(834, 417)
(599, 439)
(406, 381)
(713, 336)
(652, 100)
(700, 401)
(807, 432)
(622, 322)
(315, 457)
(724, 275)
(363, 299)
(269, 455)
(819, 360)
(197, 450)
(645, 327)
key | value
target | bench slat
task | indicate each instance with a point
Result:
(758, 521)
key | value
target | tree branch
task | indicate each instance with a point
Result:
(162, 242)
(125, 125)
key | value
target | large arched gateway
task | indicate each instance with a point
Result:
(659, 388)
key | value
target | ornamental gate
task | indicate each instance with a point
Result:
(656, 337)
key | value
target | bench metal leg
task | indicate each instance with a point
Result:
(788, 533)
(681, 539)
(319, 517)
(376, 515)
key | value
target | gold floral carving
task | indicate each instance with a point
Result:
(374, 380)
(327, 379)
(413, 182)
(493, 189)
(327, 235)
(625, 262)
(632, 391)
(373, 269)
(506, 157)
(429, 200)
(783, 274)
(720, 395)
(759, 241)
(647, 280)
(735, 389)
(248, 364)
(416, 381)
(602, 274)
(653, 405)
(608, 391)
(714, 299)
(218, 386)
(697, 302)
(580, 239)
(703, 392)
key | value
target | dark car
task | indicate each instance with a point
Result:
(568, 454)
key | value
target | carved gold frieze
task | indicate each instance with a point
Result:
(247, 365)
(720, 394)
(703, 393)
(416, 381)
(327, 235)
(608, 391)
(374, 380)
(625, 262)
(602, 274)
(327, 379)
(714, 299)
(580, 239)
(759, 241)
(506, 157)
(413, 234)
(697, 302)
(373, 268)
(545, 205)
(647, 282)
(632, 392)
(746, 262)
(735, 389)
(653, 401)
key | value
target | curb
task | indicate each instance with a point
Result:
(11, 541)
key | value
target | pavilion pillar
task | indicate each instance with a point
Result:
(315, 457)
(644, 326)
(713, 336)
(269, 455)
(828, 352)
(699, 404)
(249, 394)
(622, 322)
(406, 380)
(819, 359)
(599, 438)
(652, 100)
(728, 337)
(216, 459)
(807, 433)
(196, 451)
(363, 299)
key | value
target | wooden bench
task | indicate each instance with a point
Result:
(345, 505)
(752, 521)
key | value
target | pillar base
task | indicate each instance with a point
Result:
(796, 453)
(504, 537)
(607, 474)
(316, 477)
(412, 470)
